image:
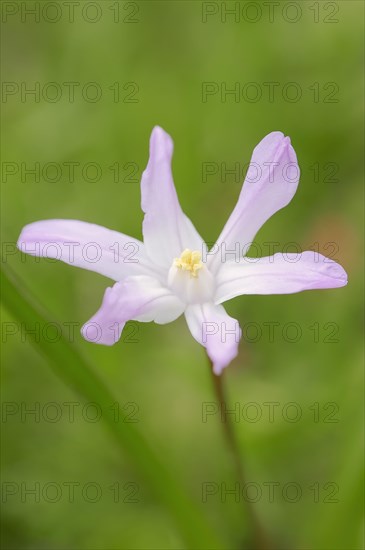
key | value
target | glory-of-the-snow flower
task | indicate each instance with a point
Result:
(172, 272)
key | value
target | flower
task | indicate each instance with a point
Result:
(172, 272)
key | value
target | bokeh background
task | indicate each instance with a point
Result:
(167, 50)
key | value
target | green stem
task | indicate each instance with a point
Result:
(73, 369)
(257, 537)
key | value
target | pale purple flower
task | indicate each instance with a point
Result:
(172, 272)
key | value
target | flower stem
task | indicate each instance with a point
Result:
(257, 537)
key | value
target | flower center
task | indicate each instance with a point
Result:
(190, 279)
(190, 260)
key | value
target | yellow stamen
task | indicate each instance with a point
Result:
(190, 260)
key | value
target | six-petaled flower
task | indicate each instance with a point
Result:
(175, 274)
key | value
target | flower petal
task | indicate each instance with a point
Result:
(214, 329)
(270, 184)
(166, 229)
(278, 274)
(139, 298)
(86, 245)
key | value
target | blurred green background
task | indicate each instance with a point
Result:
(167, 50)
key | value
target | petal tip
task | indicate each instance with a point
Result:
(276, 134)
(340, 274)
(158, 134)
(24, 238)
(84, 332)
(94, 333)
(218, 368)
